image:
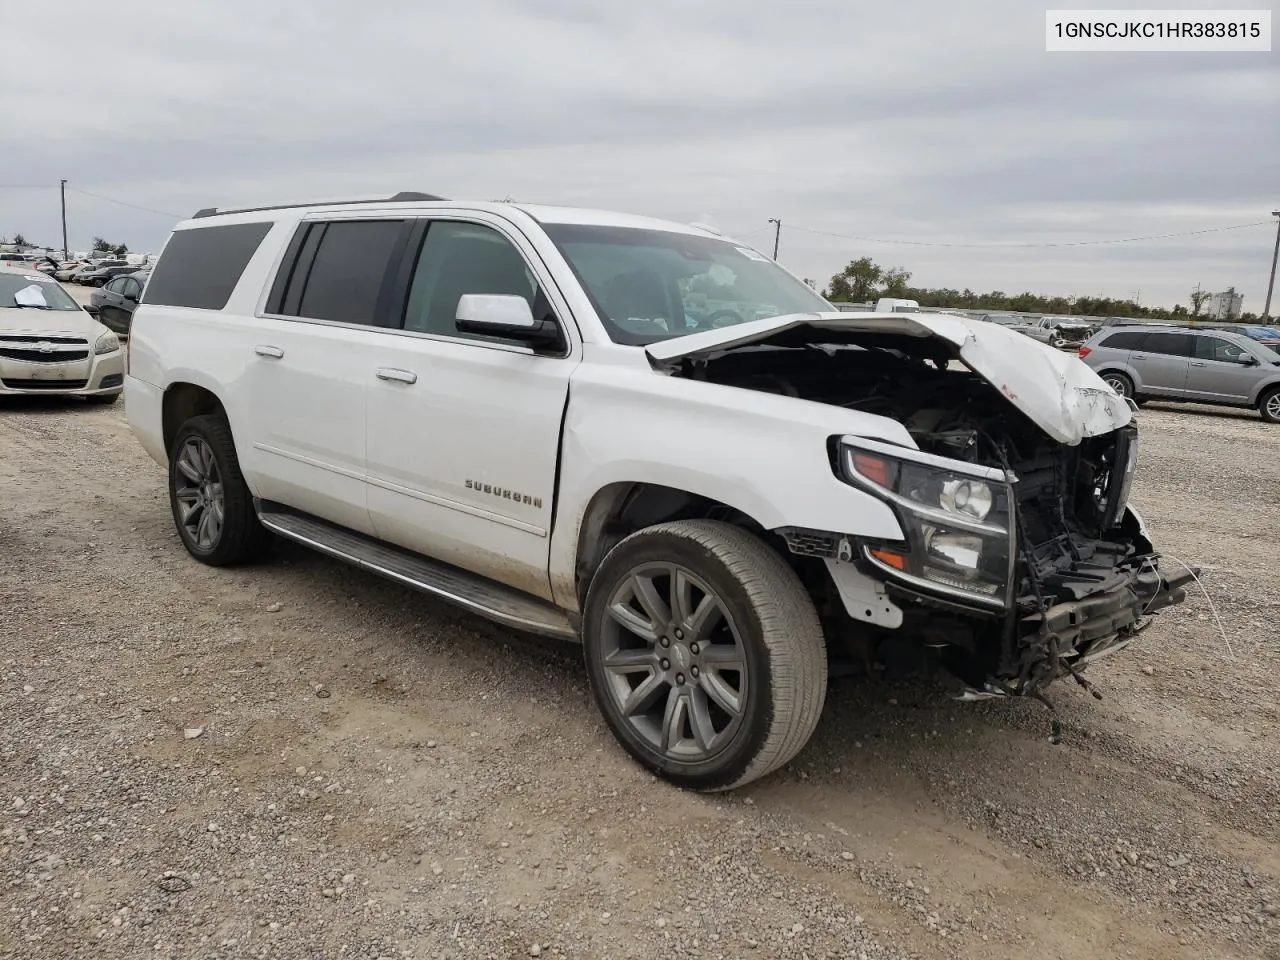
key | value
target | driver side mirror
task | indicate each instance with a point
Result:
(130, 297)
(1248, 360)
(504, 315)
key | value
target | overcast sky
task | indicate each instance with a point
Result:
(920, 120)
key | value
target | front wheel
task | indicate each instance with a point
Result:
(1269, 406)
(212, 505)
(704, 653)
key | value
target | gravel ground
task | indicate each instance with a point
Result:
(299, 760)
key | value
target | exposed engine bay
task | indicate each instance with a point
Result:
(1083, 576)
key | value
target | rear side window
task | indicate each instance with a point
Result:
(200, 267)
(340, 270)
(1170, 344)
(1124, 341)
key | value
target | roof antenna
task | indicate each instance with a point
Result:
(707, 222)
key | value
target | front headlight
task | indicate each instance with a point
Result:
(107, 343)
(957, 518)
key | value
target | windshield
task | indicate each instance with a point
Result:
(651, 285)
(46, 295)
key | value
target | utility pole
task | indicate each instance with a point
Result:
(65, 254)
(1275, 255)
(777, 235)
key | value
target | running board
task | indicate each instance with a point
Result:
(467, 590)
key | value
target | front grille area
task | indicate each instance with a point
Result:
(40, 356)
(13, 384)
(37, 338)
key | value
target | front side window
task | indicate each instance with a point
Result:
(1215, 348)
(35, 291)
(651, 285)
(460, 258)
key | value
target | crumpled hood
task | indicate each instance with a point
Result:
(26, 321)
(1056, 390)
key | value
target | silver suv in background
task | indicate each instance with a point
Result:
(1195, 366)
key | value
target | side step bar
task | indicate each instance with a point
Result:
(467, 590)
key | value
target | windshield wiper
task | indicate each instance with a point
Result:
(30, 306)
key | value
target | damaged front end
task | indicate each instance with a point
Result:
(1021, 573)
(1021, 560)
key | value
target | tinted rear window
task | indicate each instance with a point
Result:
(200, 267)
(1124, 341)
(346, 275)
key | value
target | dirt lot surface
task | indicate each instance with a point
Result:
(377, 775)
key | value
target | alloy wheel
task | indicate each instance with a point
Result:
(1118, 385)
(200, 502)
(1273, 406)
(674, 662)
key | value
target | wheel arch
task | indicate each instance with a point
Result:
(620, 508)
(183, 400)
(1266, 387)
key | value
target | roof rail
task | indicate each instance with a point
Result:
(404, 196)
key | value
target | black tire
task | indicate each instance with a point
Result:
(773, 631)
(103, 399)
(1269, 405)
(240, 537)
(1119, 382)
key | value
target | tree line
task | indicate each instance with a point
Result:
(864, 280)
(101, 247)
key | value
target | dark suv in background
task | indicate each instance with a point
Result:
(1194, 366)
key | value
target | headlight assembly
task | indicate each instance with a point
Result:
(957, 518)
(107, 343)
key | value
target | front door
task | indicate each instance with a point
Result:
(464, 431)
(1221, 371)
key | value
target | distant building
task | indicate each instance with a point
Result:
(1223, 306)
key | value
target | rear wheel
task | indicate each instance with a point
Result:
(212, 505)
(704, 653)
(1118, 382)
(1269, 406)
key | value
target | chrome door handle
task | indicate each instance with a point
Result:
(274, 353)
(400, 376)
(1198, 363)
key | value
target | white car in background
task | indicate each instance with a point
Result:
(50, 345)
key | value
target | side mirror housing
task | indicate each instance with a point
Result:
(1248, 359)
(504, 315)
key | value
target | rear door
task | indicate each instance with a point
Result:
(1162, 362)
(1221, 371)
(311, 362)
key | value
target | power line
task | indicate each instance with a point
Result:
(1006, 246)
(123, 203)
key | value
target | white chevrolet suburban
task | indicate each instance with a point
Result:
(650, 439)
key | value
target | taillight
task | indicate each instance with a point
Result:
(1084, 352)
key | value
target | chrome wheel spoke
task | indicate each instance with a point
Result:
(190, 469)
(717, 688)
(646, 594)
(633, 622)
(704, 731)
(643, 697)
(673, 719)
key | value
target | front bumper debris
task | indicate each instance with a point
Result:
(1058, 641)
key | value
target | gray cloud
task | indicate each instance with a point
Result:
(920, 120)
